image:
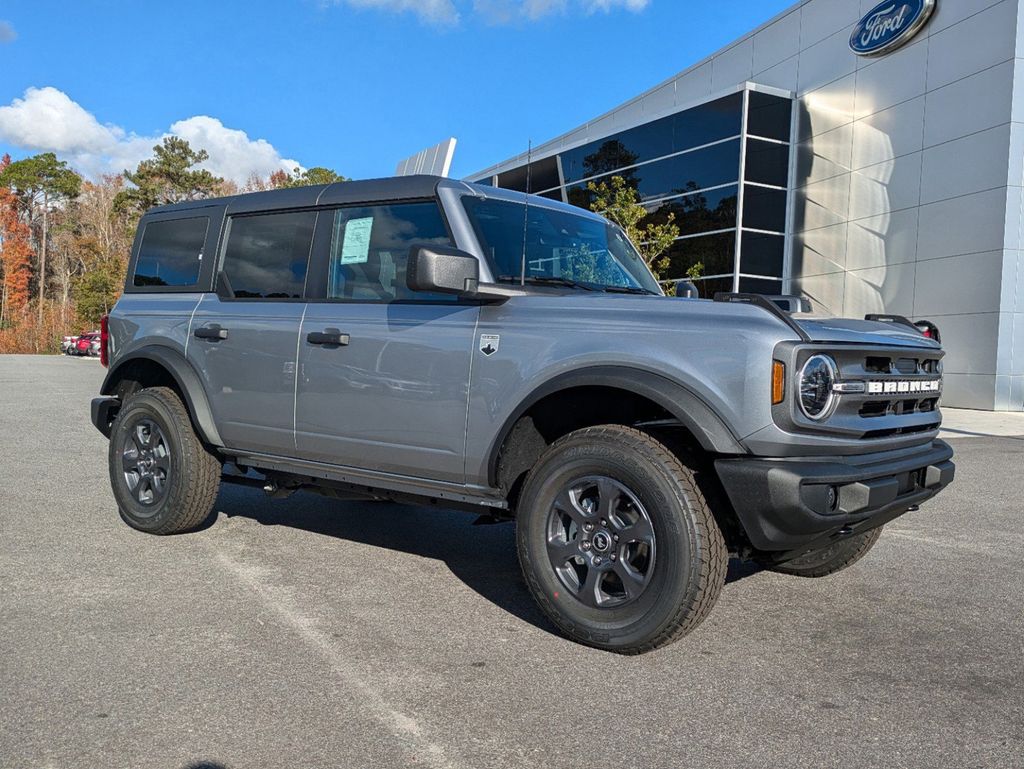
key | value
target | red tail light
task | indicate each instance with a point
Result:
(104, 341)
(929, 330)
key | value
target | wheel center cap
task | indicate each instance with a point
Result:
(602, 542)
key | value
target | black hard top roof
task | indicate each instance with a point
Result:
(389, 189)
(369, 190)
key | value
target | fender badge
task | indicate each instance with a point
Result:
(489, 343)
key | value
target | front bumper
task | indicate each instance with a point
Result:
(798, 504)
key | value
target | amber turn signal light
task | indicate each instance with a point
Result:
(778, 382)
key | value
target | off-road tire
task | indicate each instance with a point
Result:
(829, 560)
(194, 472)
(688, 570)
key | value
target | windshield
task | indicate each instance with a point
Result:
(561, 247)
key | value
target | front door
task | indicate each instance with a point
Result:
(243, 340)
(383, 371)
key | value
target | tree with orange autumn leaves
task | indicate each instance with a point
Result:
(65, 242)
(16, 252)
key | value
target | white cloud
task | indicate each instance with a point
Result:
(7, 33)
(433, 11)
(507, 11)
(592, 6)
(493, 11)
(233, 154)
(48, 120)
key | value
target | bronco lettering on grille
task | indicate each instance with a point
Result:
(905, 386)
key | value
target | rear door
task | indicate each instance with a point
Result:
(384, 371)
(243, 338)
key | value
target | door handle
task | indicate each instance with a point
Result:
(330, 337)
(211, 332)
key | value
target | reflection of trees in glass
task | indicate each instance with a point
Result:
(581, 197)
(611, 156)
(585, 266)
(695, 212)
(715, 255)
(619, 201)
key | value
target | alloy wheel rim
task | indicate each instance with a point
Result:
(146, 462)
(600, 542)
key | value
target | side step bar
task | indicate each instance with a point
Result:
(365, 482)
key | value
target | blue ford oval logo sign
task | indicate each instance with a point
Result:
(889, 25)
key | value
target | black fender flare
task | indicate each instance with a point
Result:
(692, 412)
(185, 376)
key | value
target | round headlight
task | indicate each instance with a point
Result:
(816, 380)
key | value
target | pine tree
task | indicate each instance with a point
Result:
(168, 177)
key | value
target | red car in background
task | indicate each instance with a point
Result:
(86, 344)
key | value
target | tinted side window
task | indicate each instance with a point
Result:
(267, 255)
(370, 247)
(171, 252)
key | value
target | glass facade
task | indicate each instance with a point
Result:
(720, 169)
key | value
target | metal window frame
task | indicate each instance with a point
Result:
(741, 195)
(787, 249)
(565, 186)
(787, 233)
(744, 137)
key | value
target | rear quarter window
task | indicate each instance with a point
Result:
(171, 252)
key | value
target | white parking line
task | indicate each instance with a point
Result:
(968, 547)
(403, 726)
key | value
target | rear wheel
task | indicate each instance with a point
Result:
(616, 541)
(164, 479)
(830, 559)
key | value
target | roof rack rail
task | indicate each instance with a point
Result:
(765, 304)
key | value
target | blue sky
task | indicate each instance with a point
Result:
(355, 85)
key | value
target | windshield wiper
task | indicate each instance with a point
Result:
(626, 290)
(548, 280)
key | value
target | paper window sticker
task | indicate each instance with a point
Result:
(355, 249)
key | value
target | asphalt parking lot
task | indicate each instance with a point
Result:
(310, 632)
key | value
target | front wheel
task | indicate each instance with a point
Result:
(164, 479)
(616, 541)
(830, 559)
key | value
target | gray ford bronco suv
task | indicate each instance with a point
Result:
(430, 341)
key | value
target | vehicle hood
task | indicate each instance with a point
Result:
(667, 312)
(863, 332)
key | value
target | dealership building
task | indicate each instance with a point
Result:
(867, 157)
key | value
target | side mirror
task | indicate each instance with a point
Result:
(443, 270)
(685, 289)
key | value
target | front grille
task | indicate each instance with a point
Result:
(899, 397)
(898, 407)
(909, 430)
(906, 365)
(884, 391)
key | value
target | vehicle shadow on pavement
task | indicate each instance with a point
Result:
(482, 556)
